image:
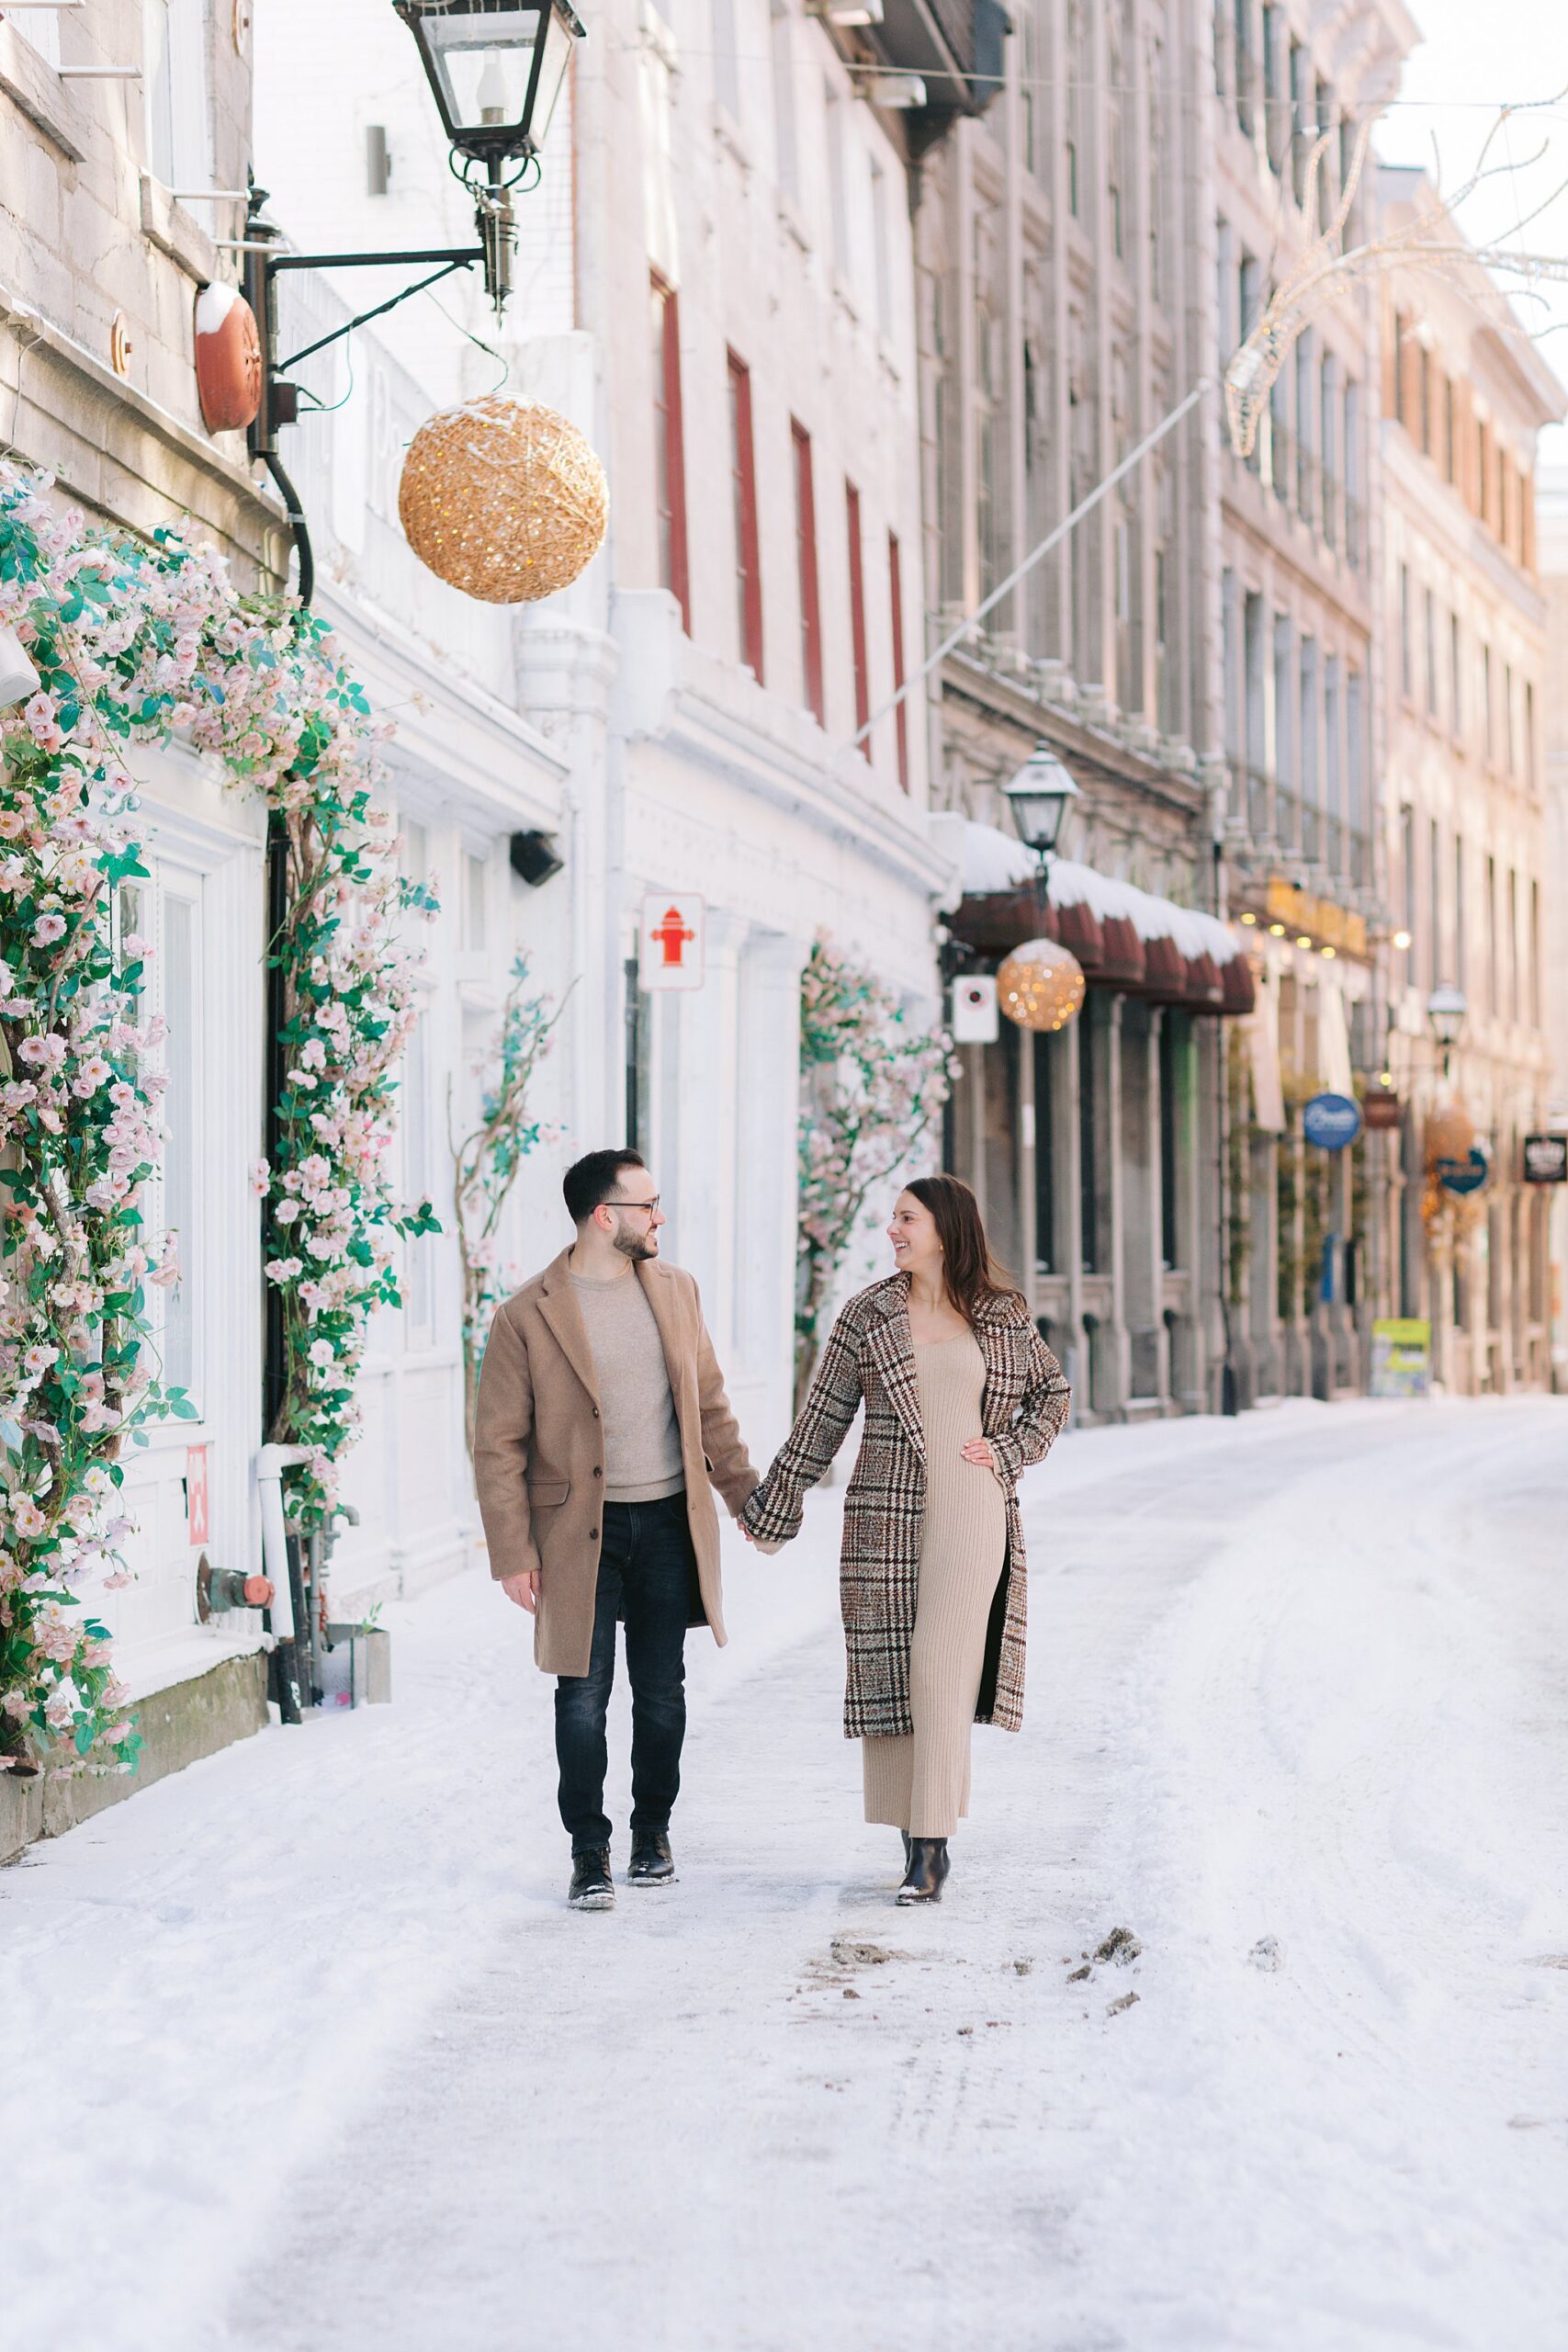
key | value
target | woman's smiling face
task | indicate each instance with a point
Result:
(912, 1232)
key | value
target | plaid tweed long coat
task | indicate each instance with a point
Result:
(870, 1357)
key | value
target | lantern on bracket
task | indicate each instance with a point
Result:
(496, 69)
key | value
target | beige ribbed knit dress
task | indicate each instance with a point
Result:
(920, 1783)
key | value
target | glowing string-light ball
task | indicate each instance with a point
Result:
(1040, 986)
(504, 500)
(1450, 1133)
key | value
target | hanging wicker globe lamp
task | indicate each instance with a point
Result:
(1040, 986)
(505, 500)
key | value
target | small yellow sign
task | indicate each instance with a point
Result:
(1321, 920)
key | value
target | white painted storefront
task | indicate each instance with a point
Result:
(623, 722)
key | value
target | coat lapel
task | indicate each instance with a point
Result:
(657, 1290)
(997, 1346)
(557, 1305)
(892, 1350)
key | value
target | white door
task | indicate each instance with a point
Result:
(200, 909)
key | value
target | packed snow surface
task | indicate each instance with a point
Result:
(302, 2049)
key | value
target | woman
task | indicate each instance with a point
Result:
(961, 1395)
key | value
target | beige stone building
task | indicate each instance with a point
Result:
(1297, 624)
(1199, 650)
(1552, 537)
(1465, 394)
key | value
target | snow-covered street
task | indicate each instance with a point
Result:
(303, 2049)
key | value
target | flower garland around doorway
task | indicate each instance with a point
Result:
(138, 643)
(871, 1083)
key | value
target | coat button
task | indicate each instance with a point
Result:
(594, 1534)
(597, 1472)
(595, 1412)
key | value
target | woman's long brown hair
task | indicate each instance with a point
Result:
(971, 1277)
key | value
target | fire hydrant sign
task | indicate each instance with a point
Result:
(671, 940)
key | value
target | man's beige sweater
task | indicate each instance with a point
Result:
(642, 1440)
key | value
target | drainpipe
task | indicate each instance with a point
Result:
(281, 1561)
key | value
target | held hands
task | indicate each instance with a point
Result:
(523, 1589)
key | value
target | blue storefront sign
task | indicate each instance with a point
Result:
(1331, 1120)
(1466, 1175)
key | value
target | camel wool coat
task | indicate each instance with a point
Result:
(870, 1357)
(539, 1450)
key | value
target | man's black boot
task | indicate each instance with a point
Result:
(592, 1888)
(651, 1864)
(927, 1873)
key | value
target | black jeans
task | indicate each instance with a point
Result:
(648, 1575)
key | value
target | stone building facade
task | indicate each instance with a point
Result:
(1464, 621)
(1297, 630)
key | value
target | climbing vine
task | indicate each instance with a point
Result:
(486, 1162)
(139, 643)
(872, 1082)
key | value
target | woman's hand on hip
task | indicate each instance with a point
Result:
(523, 1589)
(978, 1450)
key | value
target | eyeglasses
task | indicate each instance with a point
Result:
(649, 1205)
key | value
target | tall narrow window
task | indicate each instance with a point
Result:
(1490, 912)
(1508, 718)
(1430, 641)
(1407, 876)
(1535, 955)
(806, 558)
(1435, 971)
(880, 256)
(1529, 735)
(1489, 731)
(786, 139)
(837, 196)
(1456, 696)
(743, 477)
(1169, 1252)
(896, 599)
(726, 65)
(1407, 649)
(669, 449)
(857, 610)
(1089, 1155)
(1046, 1051)
(1512, 944)
(1459, 940)
(174, 91)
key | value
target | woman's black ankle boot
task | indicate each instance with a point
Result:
(926, 1871)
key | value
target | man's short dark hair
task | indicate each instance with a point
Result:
(594, 1178)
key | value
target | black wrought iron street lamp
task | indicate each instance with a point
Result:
(496, 67)
(1446, 1010)
(1040, 796)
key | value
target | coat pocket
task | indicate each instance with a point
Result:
(544, 1494)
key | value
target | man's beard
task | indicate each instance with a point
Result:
(637, 1247)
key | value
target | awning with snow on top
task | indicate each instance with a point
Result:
(1123, 937)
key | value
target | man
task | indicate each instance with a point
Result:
(602, 1420)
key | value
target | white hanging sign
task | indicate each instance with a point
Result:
(671, 940)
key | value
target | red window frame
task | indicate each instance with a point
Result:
(896, 597)
(670, 452)
(743, 477)
(857, 611)
(805, 551)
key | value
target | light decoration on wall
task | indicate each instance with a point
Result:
(1040, 986)
(504, 500)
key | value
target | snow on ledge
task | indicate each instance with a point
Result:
(994, 860)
